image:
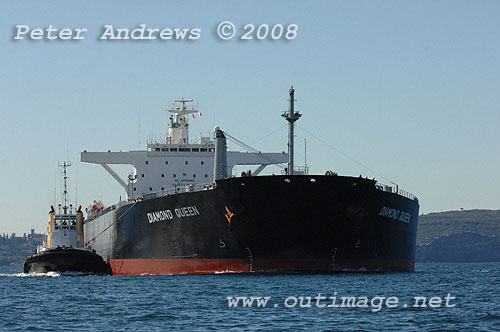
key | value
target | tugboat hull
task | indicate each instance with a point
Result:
(66, 260)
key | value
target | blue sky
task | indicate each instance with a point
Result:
(409, 89)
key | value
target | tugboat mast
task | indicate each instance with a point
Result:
(291, 116)
(65, 165)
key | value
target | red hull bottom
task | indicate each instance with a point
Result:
(213, 266)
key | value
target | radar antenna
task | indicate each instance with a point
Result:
(178, 127)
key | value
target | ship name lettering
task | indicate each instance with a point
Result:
(186, 211)
(160, 216)
(405, 217)
(395, 214)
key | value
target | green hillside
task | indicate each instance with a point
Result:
(14, 249)
(438, 224)
(459, 236)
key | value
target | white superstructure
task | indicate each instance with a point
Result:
(65, 228)
(175, 164)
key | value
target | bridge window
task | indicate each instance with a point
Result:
(184, 174)
(195, 149)
(203, 149)
(164, 149)
(173, 149)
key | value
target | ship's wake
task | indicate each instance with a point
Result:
(47, 274)
(34, 274)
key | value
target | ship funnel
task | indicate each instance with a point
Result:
(220, 157)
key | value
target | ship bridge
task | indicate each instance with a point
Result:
(174, 166)
(176, 163)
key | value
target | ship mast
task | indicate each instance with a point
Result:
(291, 116)
(178, 127)
(65, 165)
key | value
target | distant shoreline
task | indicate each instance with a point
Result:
(468, 236)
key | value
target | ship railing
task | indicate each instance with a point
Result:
(171, 191)
(396, 190)
(161, 193)
(297, 170)
(103, 211)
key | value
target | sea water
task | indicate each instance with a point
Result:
(437, 297)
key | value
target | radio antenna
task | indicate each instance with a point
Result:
(139, 127)
(65, 165)
(76, 189)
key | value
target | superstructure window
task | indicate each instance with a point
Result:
(164, 149)
(142, 175)
(206, 175)
(203, 149)
(202, 162)
(166, 162)
(184, 174)
(173, 149)
(162, 188)
(147, 162)
(195, 149)
(174, 175)
(194, 175)
(186, 162)
(163, 175)
(150, 189)
(184, 149)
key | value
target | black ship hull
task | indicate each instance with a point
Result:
(270, 224)
(66, 260)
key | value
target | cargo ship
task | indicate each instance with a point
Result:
(185, 212)
(63, 249)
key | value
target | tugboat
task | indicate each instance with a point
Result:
(64, 249)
